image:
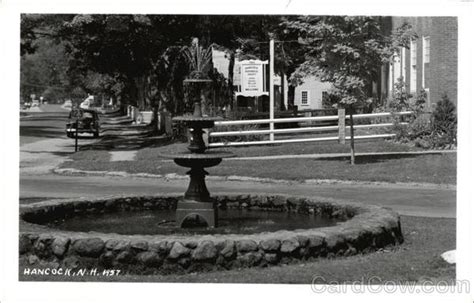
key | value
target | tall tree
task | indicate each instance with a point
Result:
(127, 45)
(347, 51)
(44, 72)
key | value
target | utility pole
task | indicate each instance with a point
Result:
(272, 95)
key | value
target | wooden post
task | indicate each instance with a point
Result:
(351, 109)
(285, 91)
(77, 135)
(272, 95)
(341, 112)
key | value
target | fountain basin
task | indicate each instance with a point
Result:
(208, 159)
(361, 228)
(162, 222)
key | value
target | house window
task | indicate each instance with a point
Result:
(397, 68)
(304, 97)
(413, 48)
(413, 66)
(426, 49)
(390, 79)
(404, 60)
(426, 59)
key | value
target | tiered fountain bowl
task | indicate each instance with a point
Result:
(197, 208)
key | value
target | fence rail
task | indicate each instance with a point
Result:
(341, 128)
(307, 119)
(296, 130)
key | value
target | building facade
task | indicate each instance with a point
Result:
(310, 94)
(430, 62)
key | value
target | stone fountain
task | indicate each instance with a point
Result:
(197, 204)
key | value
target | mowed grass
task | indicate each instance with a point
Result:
(416, 260)
(433, 168)
(296, 148)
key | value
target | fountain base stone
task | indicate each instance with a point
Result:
(193, 211)
(362, 228)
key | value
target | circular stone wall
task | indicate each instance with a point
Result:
(365, 228)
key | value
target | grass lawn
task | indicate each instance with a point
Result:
(436, 168)
(416, 260)
(299, 148)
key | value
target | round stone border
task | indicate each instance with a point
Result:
(365, 228)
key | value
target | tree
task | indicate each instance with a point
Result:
(347, 51)
(137, 56)
(125, 45)
(44, 72)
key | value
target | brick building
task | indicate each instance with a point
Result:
(430, 62)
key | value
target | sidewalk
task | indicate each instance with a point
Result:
(122, 126)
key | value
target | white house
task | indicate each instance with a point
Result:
(309, 95)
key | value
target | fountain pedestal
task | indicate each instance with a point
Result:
(197, 202)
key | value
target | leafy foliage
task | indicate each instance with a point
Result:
(436, 130)
(247, 127)
(44, 72)
(444, 122)
(347, 51)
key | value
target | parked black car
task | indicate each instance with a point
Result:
(88, 123)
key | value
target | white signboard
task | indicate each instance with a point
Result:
(252, 78)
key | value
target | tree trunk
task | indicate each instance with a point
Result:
(351, 119)
(291, 96)
(140, 92)
(231, 78)
(282, 92)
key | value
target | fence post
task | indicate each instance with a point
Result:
(341, 112)
(271, 92)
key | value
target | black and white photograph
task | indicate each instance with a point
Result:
(307, 148)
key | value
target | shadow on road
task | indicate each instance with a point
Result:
(34, 118)
(126, 143)
(367, 159)
(45, 132)
(55, 153)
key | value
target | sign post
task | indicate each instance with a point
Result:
(252, 78)
(77, 113)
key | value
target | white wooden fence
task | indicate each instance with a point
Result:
(341, 128)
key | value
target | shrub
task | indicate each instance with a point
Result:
(237, 138)
(437, 130)
(400, 99)
(419, 125)
(444, 123)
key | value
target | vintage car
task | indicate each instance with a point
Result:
(88, 122)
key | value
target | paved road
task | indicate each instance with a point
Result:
(414, 201)
(43, 141)
(46, 122)
(34, 183)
